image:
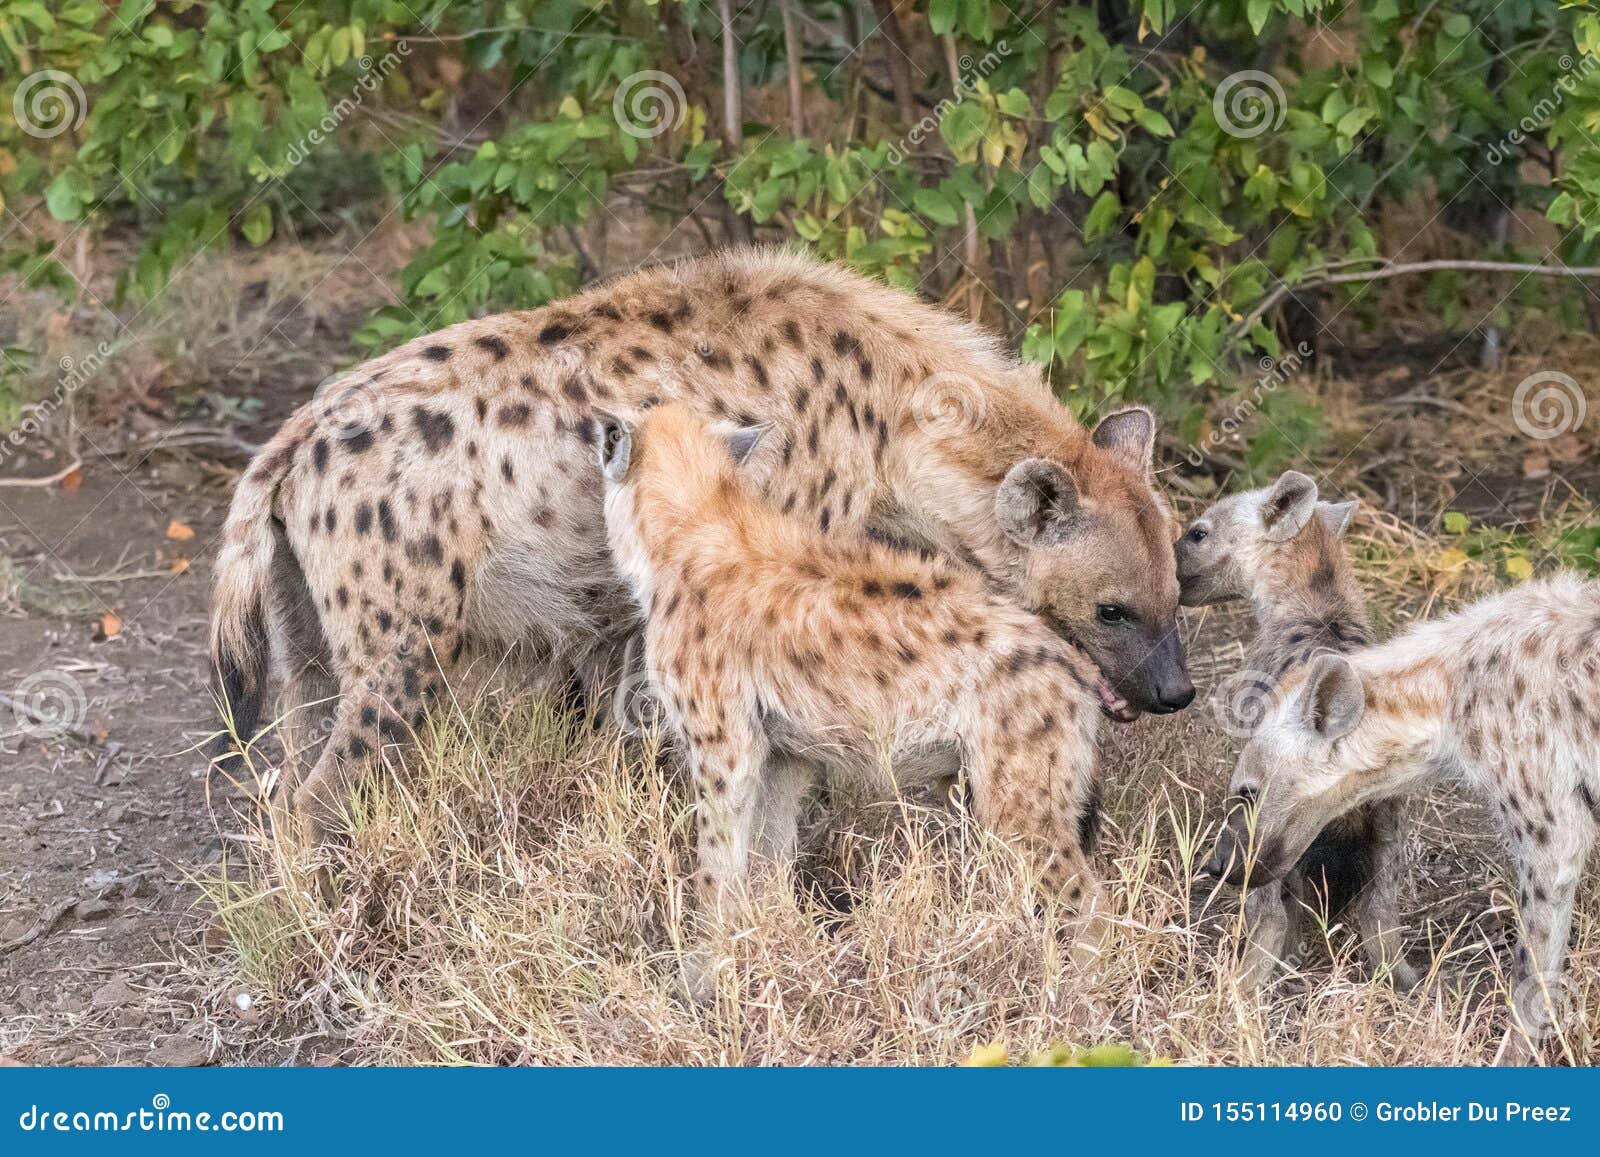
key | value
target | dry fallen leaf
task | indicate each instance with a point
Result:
(1536, 466)
(179, 531)
(72, 481)
(109, 627)
(179, 566)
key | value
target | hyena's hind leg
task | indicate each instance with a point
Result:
(382, 703)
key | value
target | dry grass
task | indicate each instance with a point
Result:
(515, 896)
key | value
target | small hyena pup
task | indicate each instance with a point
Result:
(1279, 548)
(1503, 697)
(781, 654)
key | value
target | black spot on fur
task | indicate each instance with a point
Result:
(458, 575)
(437, 353)
(386, 520)
(436, 429)
(427, 549)
(506, 470)
(495, 345)
(319, 455)
(759, 370)
(514, 416)
(661, 320)
(845, 344)
(907, 590)
(573, 388)
(554, 332)
(364, 518)
(359, 442)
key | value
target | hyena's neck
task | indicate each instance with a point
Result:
(941, 477)
(1312, 604)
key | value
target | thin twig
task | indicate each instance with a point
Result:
(1388, 269)
(51, 480)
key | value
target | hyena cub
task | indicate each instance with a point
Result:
(1503, 697)
(782, 654)
(1279, 548)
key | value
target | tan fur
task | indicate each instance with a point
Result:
(783, 655)
(1503, 698)
(459, 475)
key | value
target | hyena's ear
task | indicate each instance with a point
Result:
(1333, 699)
(614, 440)
(743, 440)
(1288, 506)
(1336, 516)
(1037, 503)
(1130, 435)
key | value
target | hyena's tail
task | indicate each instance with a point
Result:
(253, 538)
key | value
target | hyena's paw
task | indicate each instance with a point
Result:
(700, 967)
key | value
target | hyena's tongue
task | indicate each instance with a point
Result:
(1115, 705)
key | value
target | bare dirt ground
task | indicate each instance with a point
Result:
(104, 581)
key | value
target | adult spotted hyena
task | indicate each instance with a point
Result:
(443, 499)
(785, 658)
(1280, 549)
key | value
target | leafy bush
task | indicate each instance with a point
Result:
(1127, 187)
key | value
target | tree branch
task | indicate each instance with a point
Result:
(1388, 269)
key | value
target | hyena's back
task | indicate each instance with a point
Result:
(442, 500)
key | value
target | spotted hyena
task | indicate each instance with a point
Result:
(442, 501)
(1503, 698)
(783, 656)
(1279, 548)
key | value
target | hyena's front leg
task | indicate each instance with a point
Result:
(1038, 794)
(1377, 908)
(1272, 925)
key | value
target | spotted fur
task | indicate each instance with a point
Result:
(441, 502)
(1502, 698)
(784, 656)
(1279, 548)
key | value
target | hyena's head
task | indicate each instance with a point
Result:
(1251, 543)
(1318, 754)
(1096, 562)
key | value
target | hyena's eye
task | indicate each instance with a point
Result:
(1197, 534)
(1111, 613)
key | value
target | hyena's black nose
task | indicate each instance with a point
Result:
(1175, 698)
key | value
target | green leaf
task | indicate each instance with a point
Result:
(1257, 11)
(934, 205)
(1102, 216)
(257, 224)
(65, 196)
